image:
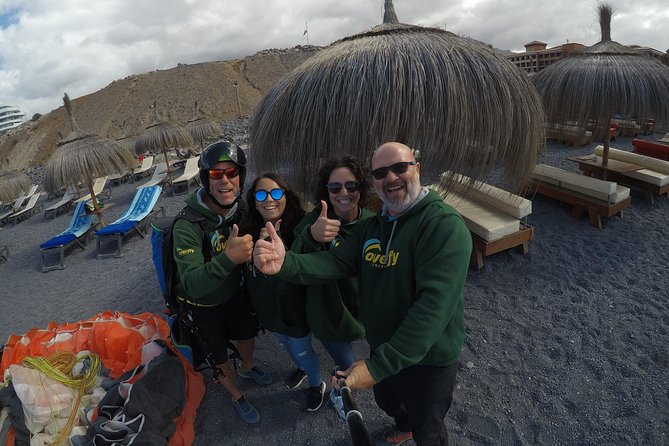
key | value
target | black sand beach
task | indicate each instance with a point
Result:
(568, 344)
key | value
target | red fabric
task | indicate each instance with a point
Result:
(195, 390)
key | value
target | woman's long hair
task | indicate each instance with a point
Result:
(359, 172)
(292, 214)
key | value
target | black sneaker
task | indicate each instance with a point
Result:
(296, 379)
(315, 397)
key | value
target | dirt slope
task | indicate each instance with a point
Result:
(176, 90)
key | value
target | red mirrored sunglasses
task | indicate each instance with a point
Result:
(217, 174)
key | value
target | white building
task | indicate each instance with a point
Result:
(10, 117)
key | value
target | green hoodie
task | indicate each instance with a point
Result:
(411, 273)
(205, 283)
(332, 308)
(279, 305)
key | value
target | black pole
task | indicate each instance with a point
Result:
(356, 425)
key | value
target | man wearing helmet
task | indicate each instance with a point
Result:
(210, 283)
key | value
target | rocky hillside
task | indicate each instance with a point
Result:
(130, 100)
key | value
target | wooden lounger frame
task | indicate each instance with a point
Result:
(483, 248)
(649, 190)
(581, 203)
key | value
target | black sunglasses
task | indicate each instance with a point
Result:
(335, 188)
(276, 194)
(397, 169)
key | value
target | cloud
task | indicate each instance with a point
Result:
(49, 47)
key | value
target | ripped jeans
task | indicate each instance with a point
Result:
(303, 354)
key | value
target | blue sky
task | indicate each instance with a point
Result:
(48, 47)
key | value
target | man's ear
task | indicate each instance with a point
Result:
(418, 167)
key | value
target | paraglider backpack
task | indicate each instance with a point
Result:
(183, 330)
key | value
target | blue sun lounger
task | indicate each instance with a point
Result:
(75, 235)
(135, 218)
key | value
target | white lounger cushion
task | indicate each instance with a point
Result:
(649, 176)
(656, 171)
(514, 205)
(648, 162)
(603, 190)
(488, 223)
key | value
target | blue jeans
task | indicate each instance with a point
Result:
(303, 354)
(341, 353)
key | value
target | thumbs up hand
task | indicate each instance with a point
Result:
(239, 249)
(269, 255)
(324, 229)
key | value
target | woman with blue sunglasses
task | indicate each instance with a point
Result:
(280, 306)
(341, 198)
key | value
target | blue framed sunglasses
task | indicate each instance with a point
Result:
(276, 194)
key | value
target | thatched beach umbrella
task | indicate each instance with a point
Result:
(82, 157)
(463, 107)
(12, 184)
(201, 127)
(163, 135)
(605, 79)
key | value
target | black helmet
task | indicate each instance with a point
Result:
(218, 152)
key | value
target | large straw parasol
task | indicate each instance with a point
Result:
(463, 107)
(12, 184)
(82, 157)
(605, 79)
(201, 127)
(163, 135)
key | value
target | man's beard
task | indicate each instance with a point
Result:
(400, 205)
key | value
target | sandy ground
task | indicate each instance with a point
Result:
(568, 344)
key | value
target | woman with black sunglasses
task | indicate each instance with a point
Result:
(280, 306)
(332, 308)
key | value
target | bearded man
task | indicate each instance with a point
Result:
(411, 262)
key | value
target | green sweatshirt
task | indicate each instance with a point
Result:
(411, 272)
(279, 305)
(332, 308)
(205, 283)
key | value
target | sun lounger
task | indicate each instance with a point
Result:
(142, 170)
(655, 149)
(158, 178)
(99, 189)
(181, 185)
(15, 206)
(496, 219)
(598, 197)
(135, 218)
(652, 177)
(65, 202)
(75, 235)
(29, 209)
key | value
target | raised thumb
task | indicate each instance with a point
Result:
(324, 209)
(235, 231)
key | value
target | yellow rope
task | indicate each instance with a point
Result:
(58, 366)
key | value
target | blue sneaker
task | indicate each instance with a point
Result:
(338, 403)
(247, 412)
(256, 374)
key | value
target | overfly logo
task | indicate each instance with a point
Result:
(372, 254)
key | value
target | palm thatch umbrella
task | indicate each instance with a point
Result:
(605, 79)
(12, 184)
(82, 157)
(202, 127)
(463, 107)
(163, 135)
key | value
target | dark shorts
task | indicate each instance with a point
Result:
(232, 320)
